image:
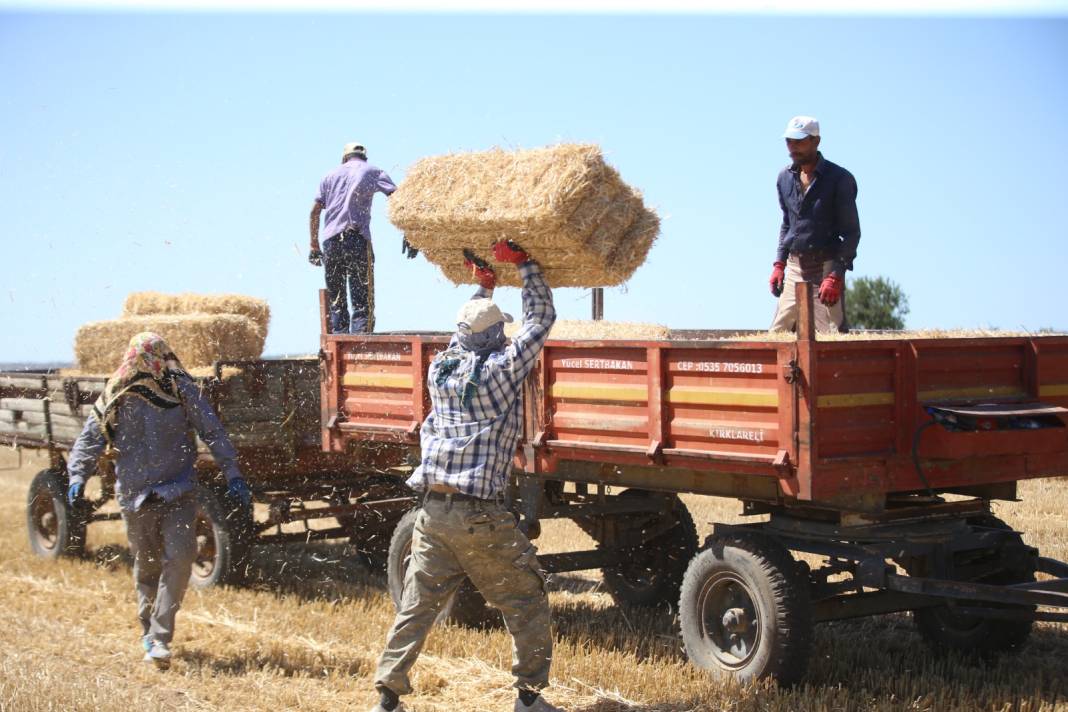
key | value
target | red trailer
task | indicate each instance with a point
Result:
(879, 456)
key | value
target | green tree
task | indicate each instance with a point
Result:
(876, 303)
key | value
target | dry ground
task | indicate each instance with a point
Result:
(309, 641)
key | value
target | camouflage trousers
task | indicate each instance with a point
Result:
(478, 539)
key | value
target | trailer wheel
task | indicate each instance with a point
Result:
(653, 573)
(371, 537)
(744, 610)
(55, 528)
(222, 528)
(945, 630)
(466, 608)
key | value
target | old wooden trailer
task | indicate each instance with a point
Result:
(878, 457)
(270, 408)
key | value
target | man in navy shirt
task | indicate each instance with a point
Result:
(820, 230)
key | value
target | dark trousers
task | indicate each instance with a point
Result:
(348, 262)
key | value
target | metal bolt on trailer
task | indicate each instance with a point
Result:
(880, 458)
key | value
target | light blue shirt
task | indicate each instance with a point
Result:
(155, 447)
(346, 193)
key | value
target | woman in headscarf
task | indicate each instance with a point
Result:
(145, 419)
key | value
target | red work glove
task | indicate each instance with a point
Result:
(831, 289)
(508, 251)
(485, 276)
(778, 278)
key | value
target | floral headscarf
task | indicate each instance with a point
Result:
(147, 371)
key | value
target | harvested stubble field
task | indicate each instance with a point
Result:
(307, 637)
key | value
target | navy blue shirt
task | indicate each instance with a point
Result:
(822, 221)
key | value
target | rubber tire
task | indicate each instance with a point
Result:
(780, 597)
(666, 556)
(466, 608)
(942, 631)
(70, 521)
(230, 531)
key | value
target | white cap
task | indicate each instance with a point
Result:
(353, 147)
(477, 315)
(802, 127)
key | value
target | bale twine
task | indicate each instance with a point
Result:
(197, 339)
(143, 303)
(568, 209)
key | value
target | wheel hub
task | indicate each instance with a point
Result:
(736, 621)
(204, 564)
(47, 523)
(729, 619)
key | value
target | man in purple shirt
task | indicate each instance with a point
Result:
(345, 194)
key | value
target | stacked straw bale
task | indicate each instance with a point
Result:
(581, 330)
(201, 328)
(566, 207)
(198, 339)
(143, 303)
(886, 335)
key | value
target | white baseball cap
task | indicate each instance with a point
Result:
(353, 147)
(477, 315)
(802, 127)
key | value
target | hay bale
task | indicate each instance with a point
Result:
(581, 330)
(144, 303)
(198, 339)
(563, 204)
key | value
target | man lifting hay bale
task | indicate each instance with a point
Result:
(569, 210)
(464, 530)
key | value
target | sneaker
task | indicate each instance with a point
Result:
(399, 708)
(539, 705)
(158, 654)
(146, 642)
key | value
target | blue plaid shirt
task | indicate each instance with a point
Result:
(469, 443)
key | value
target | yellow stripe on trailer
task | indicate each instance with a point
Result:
(1053, 390)
(976, 392)
(378, 380)
(600, 392)
(697, 395)
(854, 400)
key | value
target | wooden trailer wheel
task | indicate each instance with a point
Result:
(744, 610)
(466, 608)
(54, 527)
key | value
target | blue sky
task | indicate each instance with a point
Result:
(181, 152)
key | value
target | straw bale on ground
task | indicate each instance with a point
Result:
(582, 330)
(144, 303)
(566, 207)
(198, 339)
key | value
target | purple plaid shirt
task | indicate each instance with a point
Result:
(470, 445)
